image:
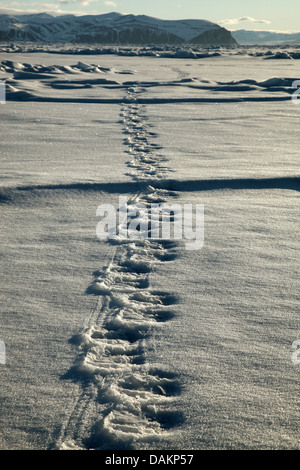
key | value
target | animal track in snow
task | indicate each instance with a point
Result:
(121, 395)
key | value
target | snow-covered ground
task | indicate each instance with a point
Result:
(142, 344)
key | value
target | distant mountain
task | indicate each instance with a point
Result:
(111, 28)
(245, 37)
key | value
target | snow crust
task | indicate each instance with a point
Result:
(139, 343)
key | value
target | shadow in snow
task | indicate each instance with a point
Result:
(10, 195)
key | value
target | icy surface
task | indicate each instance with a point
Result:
(140, 343)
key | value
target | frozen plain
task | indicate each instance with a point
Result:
(147, 345)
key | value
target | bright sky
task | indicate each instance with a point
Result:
(233, 14)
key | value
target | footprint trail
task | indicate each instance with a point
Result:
(122, 398)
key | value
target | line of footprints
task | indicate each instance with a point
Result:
(129, 396)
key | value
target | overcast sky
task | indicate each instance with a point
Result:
(232, 14)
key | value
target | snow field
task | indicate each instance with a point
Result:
(162, 348)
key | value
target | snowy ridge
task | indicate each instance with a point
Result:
(56, 83)
(178, 51)
(122, 400)
(111, 28)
